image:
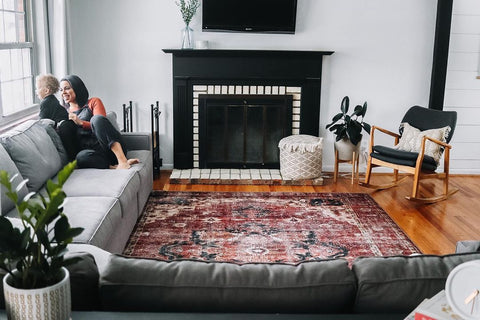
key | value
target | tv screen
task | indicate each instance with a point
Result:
(272, 16)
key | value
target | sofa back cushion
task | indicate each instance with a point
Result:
(33, 152)
(133, 284)
(7, 164)
(398, 284)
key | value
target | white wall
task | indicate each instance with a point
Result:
(383, 55)
(462, 92)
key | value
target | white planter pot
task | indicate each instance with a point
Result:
(49, 303)
(346, 149)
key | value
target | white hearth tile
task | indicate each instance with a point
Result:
(274, 90)
(253, 89)
(196, 164)
(281, 90)
(296, 103)
(254, 171)
(294, 89)
(235, 176)
(199, 88)
(195, 94)
(295, 131)
(185, 174)
(195, 123)
(195, 130)
(195, 144)
(215, 170)
(297, 97)
(211, 90)
(195, 115)
(238, 89)
(295, 110)
(175, 174)
(196, 151)
(245, 90)
(231, 89)
(235, 171)
(224, 89)
(268, 90)
(296, 117)
(218, 89)
(214, 175)
(225, 176)
(196, 157)
(195, 108)
(256, 177)
(296, 125)
(260, 89)
(264, 171)
(205, 176)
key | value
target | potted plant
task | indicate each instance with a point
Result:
(348, 129)
(33, 256)
(188, 8)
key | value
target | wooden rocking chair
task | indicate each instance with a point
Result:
(417, 161)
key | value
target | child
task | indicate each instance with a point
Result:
(46, 87)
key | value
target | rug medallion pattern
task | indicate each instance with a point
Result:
(265, 227)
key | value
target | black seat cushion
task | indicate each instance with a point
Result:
(404, 158)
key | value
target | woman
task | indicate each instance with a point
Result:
(88, 136)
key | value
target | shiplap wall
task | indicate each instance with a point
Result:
(462, 92)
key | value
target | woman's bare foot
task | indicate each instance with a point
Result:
(123, 165)
(133, 161)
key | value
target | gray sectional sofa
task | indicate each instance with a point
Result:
(107, 204)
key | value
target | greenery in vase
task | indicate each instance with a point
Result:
(350, 126)
(37, 252)
(188, 8)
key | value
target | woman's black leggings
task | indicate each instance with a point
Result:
(91, 150)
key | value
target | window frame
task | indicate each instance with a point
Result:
(30, 43)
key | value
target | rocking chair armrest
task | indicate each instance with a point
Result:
(443, 144)
(390, 133)
(385, 131)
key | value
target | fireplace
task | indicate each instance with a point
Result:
(257, 97)
(242, 131)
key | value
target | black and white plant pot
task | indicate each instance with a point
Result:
(49, 303)
(346, 149)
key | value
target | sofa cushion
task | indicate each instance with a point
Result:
(195, 286)
(33, 152)
(99, 216)
(398, 284)
(8, 165)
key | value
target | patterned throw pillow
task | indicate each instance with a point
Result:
(411, 140)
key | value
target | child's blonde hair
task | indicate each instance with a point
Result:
(49, 81)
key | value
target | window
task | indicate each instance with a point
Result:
(16, 59)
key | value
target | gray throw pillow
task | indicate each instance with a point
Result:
(49, 126)
(33, 152)
(8, 165)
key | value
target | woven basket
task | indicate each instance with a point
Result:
(300, 157)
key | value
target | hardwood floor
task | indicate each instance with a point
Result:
(434, 228)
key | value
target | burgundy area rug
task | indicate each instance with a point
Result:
(265, 227)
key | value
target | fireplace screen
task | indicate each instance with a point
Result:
(243, 131)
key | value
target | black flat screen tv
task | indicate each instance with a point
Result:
(269, 16)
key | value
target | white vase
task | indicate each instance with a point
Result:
(49, 303)
(346, 149)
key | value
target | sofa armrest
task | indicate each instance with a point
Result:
(137, 140)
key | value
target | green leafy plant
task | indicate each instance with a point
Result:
(350, 126)
(37, 252)
(188, 8)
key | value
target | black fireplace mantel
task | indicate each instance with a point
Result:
(241, 67)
